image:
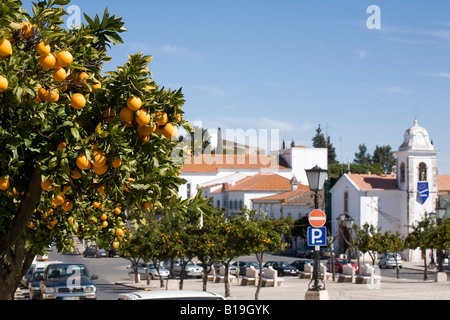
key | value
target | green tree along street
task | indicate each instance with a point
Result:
(82, 151)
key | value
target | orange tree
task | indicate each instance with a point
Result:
(259, 234)
(82, 150)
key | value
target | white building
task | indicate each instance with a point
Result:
(213, 172)
(392, 202)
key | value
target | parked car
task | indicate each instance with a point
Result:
(65, 281)
(389, 260)
(283, 268)
(33, 285)
(142, 270)
(243, 265)
(305, 252)
(170, 295)
(191, 269)
(94, 251)
(308, 252)
(300, 264)
(338, 264)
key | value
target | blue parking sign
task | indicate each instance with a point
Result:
(317, 236)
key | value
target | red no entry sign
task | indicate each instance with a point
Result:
(317, 218)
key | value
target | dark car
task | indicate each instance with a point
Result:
(283, 268)
(64, 281)
(300, 264)
(308, 252)
(33, 285)
(338, 264)
(94, 251)
(243, 265)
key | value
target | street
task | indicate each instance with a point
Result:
(112, 270)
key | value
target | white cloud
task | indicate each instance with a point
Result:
(398, 90)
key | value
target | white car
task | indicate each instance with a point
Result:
(142, 266)
(191, 269)
(170, 295)
(388, 260)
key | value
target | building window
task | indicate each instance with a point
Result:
(422, 172)
(218, 203)
(402, 172)
(236, 204)
(241, 204)
(346, 202)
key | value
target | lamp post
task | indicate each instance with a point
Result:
(440, 214)
(316, 179)
(346, 221)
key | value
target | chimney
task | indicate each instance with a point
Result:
(294, 184)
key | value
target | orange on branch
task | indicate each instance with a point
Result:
(116, 163)
(100, 170)
(46, 185)
(126, 115)
(43, 48)
(143, 118)
(5, 48)
(64, 58)
(59, 75)
(99, 158)
(83, 163)
(134, 103)
(3, 84)
(48, 61)
(162, 118)
(78, 101)
(169, 131)
(4, 183)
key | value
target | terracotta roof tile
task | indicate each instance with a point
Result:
(443, 183)
(261, 182)
(373, 182)
(287, 195)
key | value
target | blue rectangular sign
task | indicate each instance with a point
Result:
(317, 236)
(423, 191)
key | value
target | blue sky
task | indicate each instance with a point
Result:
(294, 64)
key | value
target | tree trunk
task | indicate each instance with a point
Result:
(425, 269)
(14, 259)
(227, 279)
(259, 258)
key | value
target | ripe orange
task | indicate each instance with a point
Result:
(169, 131)
(48, 61)
(96, 205)
(59, 200)
(61, 146)
(30, 225)
(119, 232)
(54, 95)
(101, 189)
(117, 211)
(161, 118)
(76, 174)
(126, 115)
(103, 217)
(5, 48)
(64, 58)
(99, 158)
(83, 163)
(134, 103)
(44, 95)
(96, 86)
(143, 118)
(116, 163)
(43, 48)
(4, 184)
(67, 206)
(100, 170)
(46, 185)
(115, 245)
(145, 131)
(104, 224)
(78, 101)
(3, 84)
(83, 76)
(27, 30)
(59, 75)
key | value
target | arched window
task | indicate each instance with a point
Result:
(422, 172)
(402, 172)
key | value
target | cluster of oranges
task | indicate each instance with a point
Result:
(133, 111)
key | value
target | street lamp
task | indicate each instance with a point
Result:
(346, 221)
(440, 214)
(316, 179)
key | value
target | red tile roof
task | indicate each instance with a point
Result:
(443, 183)
(214, 163)
(287, 195)
(261, 182)
(373, 182)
